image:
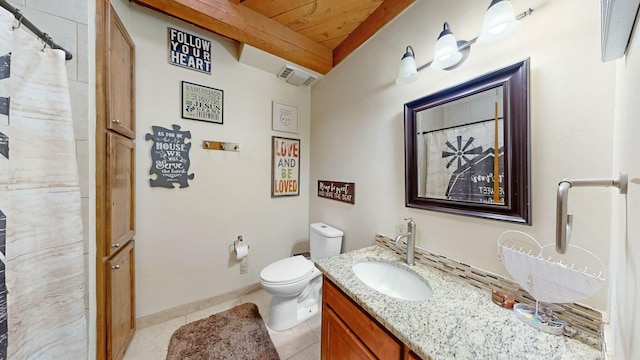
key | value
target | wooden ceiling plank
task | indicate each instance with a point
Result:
(242, 24)
(380, 17)
(336, 27)
(332, 43)
(272, 8)
(328, 10)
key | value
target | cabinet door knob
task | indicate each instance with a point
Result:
(115, 121)
(116, 267)
(116, 245)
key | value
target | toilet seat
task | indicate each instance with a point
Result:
(287, 271)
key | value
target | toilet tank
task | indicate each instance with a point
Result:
(325, 241)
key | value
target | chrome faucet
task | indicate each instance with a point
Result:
(410, 235)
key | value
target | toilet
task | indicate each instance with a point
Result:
(295, 283)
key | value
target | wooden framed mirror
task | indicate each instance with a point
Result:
(458, 139)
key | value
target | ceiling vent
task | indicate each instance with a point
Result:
(296, 76)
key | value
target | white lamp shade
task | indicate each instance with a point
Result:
(446, 53)
(408, 72)
(499, 22)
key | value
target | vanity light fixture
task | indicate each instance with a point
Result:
(498, 23)
(408, 72)
(446, 53)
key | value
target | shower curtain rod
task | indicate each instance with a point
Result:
(22, 20)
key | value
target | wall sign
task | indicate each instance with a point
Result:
(189, 51)
(285, 118)
(340, 191)
(202, 103)
(170, 157)
(285, 167)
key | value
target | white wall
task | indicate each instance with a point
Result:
(357, 127)
(183, 236)
(625, 254)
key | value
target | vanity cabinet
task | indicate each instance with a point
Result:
(348, 332)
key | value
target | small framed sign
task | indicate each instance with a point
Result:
(189, 51)
(285, 167)
(202, 103)
(340, 191)
(285, 118)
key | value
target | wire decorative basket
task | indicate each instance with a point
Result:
(546, 279)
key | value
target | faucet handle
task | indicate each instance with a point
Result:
(411, 225)
(408, 219)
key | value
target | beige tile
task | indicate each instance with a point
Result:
(310, 353)
(86, 282)
(315, 323)
(151, 343)
(197, 315)
(79, 95)
(75, 10)
(299, 343)
(82, 160)
(84, 207)
(291, 342)
(260, 298)
(83, 53)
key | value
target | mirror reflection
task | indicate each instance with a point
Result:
(461, 149)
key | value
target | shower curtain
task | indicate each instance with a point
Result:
(446, 152)
(42, 306)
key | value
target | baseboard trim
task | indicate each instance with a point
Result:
(182, 310)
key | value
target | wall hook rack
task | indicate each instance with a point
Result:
(563, 220)
(218, 145)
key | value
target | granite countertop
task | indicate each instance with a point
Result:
(458, 321)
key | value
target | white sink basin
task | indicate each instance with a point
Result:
(392, 280)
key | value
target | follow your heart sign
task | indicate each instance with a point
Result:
(189, 51)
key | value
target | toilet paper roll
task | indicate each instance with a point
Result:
(241, 251)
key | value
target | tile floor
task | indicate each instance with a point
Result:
(299, 343)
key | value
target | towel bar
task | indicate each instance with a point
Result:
(564, 220)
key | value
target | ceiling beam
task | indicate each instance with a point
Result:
(242, 24)
(386, 12)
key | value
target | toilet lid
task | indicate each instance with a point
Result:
(287, 270)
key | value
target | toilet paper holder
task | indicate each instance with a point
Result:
(237, 243)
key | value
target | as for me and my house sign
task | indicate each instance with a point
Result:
(189, 51)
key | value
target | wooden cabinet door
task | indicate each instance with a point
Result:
(120, 301)
(338, 342)
(120, 75)
(410, 355)
(120, 191)
(379, 341)
(348, 332)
